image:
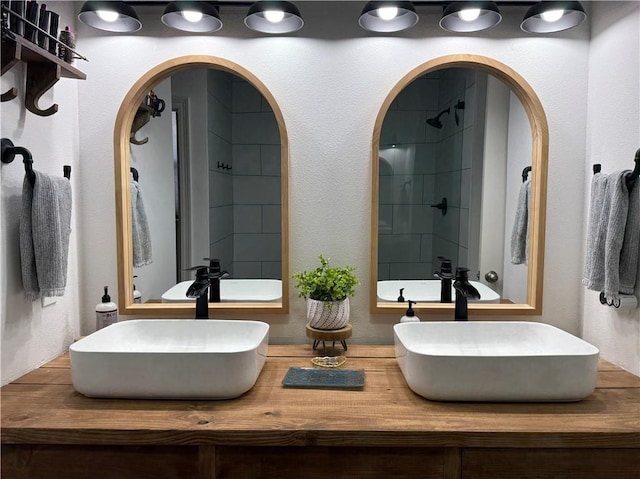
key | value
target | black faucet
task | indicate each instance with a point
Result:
(445, 278)
(207, 278)
(464, 291)
(215, 274)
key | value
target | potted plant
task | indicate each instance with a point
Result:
(327, 290)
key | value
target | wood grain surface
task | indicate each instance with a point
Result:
(42, 407)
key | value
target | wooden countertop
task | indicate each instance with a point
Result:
(42, 407)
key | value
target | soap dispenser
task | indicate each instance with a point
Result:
(401, 297)
(410, 315)
(106, 311)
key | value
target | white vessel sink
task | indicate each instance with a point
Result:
(428, 291)
(170, 359)
(231, 290)
(495, 361)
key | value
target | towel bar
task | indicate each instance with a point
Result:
(635, 174)
(9, 152)
(625, 300)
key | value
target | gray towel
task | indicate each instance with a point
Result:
(604, 254)
(630, 254)
(139, 229)
(593, 276)
(45, 226)
(520, 232)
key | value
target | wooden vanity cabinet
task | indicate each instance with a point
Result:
(385, 431)
(221, 462)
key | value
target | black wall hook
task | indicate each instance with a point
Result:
(525, 173)
(458, 106)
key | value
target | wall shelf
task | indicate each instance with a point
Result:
(143, 115)
(44, 69)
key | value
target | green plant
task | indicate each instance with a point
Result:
(327, 283)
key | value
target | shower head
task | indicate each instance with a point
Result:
(435, 122)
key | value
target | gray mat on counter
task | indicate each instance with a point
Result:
(316, 378)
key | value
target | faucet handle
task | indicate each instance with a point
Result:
(214, 264)
(445, 269)
(462, 273)
(445, 264)
(209, 272)
(202, 272)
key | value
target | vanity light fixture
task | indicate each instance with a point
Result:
(472, 16)
(387, 17)
(110, 16)
(274, 17)
(553, 16)
(192, 17)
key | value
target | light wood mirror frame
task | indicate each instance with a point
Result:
(539, 160)
(124, 120)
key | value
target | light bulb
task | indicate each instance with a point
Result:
(274, 16)
(107, 15)
(388, 13)
(192, 16)
(469, 14)
(552, 15)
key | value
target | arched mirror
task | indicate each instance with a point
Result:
(459, 173)
(201, 157)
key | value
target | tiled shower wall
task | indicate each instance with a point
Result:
(419, 166)
(454, 154)
(246, 199)
(407, 167)
(256, 185)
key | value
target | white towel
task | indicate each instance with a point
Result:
(607, 236)
(45, 227)
(140, 229)
(520, 232)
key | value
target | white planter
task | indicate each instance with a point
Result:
(328, 314)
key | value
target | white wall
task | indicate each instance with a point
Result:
(154, 162)
(494, 181)
(613, 136)
(33, 334)
(519, 147)
(192, 88)
(330, 80)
